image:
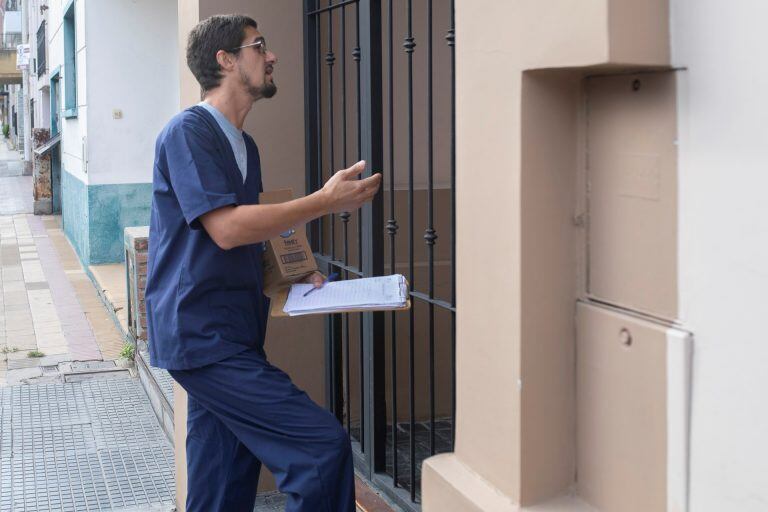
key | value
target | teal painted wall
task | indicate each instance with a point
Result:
(113, 208)
(95, 216)
(74, 213)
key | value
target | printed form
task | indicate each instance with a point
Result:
(368, 294)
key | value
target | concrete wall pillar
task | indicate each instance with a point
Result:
(519, 71)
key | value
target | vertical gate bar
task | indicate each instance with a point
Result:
(319, 132)
(372, 150)
(347, 402)
(392, 230)
(361, 370)
(451, 38)
(314, 172)
(409, 45)
(429, 234)
(356, 56)
(330, 58)
(334, 322)
(345, 215)
(347, 408)
(344, 95)
(361, 340)
(311, 106)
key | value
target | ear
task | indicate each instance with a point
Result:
(225, 59)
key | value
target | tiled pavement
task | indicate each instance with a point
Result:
(76, 333)
(74, 436)
(48, 303)
(15, 194)
(87, 445)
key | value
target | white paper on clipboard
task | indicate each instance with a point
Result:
(371, 293)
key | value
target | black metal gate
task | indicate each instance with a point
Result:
(379, 363)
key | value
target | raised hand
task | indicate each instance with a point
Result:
(344, 192)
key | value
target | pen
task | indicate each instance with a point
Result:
(331, 277)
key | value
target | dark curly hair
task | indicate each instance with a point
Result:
(216, 33)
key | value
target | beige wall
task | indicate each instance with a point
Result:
(621, 436)
(521, 153)
(277, 126)
(521, 204)
(548, 282)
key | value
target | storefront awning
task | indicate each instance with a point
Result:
(49, 145)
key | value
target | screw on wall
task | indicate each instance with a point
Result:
(636, 84)
(625, 337)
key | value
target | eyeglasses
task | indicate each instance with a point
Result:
(260, 44)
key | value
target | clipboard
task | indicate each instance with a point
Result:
(280, 296)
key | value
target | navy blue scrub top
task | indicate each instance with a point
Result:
(203, 303)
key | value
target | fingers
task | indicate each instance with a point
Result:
(348, 192)
(372, 181)
(317, 279)
(369, 187)
(353, 171)
(358, 168)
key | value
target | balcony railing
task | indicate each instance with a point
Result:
(10, 40)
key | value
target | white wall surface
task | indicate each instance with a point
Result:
(723, 157)
(134, 68)
(12, 21)
(72, 130)
(36, 83)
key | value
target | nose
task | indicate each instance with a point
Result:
(271, 57)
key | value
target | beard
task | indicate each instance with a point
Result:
(267, 90)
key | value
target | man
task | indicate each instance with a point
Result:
(206, 311)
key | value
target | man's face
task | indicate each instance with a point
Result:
(255, 65)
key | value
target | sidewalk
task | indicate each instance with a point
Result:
(77, 432)
(49, 304)
(15, 194)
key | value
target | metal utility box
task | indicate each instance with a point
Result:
(632, 191)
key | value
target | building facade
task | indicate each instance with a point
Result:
(12, 38)
(39, 85)
(109, 113)
(607, 349)
(588, 282)
(617, 144)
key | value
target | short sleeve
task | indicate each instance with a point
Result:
(196, 171)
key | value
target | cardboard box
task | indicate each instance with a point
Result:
(287, 258)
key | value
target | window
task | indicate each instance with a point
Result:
(70, 69)
(41, 57)
(55, 101)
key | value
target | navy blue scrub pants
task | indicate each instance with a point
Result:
(244, 412)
